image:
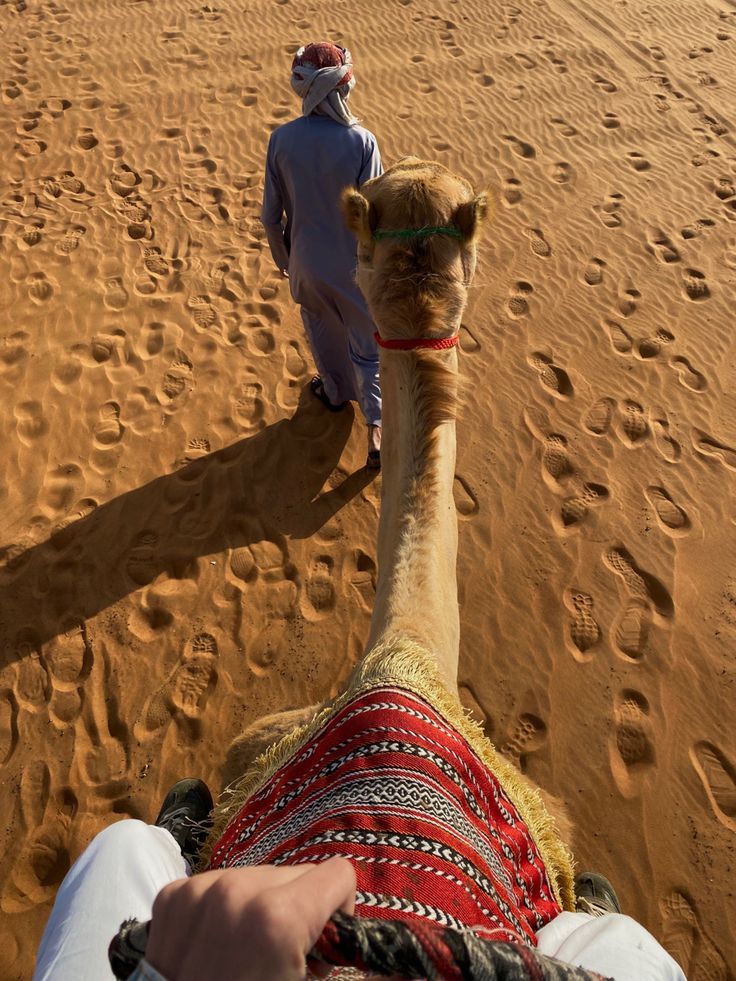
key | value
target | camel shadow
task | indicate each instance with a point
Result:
(264, 486)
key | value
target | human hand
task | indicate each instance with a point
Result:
(246, 924)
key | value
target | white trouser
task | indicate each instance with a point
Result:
(121, 872)
(117, 877)
(614, 945)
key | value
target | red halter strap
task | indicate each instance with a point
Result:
(435, 343)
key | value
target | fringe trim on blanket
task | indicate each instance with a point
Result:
(403, 664)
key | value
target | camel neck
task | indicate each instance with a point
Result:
(416, 595)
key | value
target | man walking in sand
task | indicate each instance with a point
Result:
(309, 163)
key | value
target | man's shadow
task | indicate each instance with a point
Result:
(268, 484)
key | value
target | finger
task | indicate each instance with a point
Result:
(313, 899)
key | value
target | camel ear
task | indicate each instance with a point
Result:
(470, 216)
(360, 216)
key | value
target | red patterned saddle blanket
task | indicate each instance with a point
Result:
(390, 785)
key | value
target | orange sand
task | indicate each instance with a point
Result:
(187, 538)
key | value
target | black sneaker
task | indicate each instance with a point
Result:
(186, 815)
(594, 894)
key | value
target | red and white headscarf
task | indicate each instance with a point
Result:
(322, 76)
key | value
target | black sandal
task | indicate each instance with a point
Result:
(374, 460)
(317, 387)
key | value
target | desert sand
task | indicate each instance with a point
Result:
(188, 539)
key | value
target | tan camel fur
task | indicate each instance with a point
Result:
(413, 289)
(416, 288)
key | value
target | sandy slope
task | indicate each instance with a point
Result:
(188, 539)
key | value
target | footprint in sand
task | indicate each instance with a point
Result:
(527, 735)
(684, 937)
(101, 737)
(627, 299)
(8, 725)
(265, 648)
(695, 285)
(593, 274)
(71, 240)
(274, 600)
(565, 128)
(638, 161)
(294, 363)
(469, 343)
(517, 304)
(538, 243)
(151, 341)
(30, 422)
(583, 631)
(631, 747)
(650, 347)
(86, 139)
(35, 787)
(319, 594)
(65, 374)
(718, 776)
(42, 863)
(620, 340)
(187, 688)
(32, 687)
(466, 501)
(520, 147)
(575, 509)
(660, 246)
(60, 489)
(202, 312)
(108, 430)
(177, 380)
(708, 446)
(141, 566)
(362, 577)
(672, 519)
(553, 378)
(511, 192)
(65, 707)
(597, 419)
(196, 676)
(556, 466)
(116, 297)
(666, 445)
(630, 630)
(243, 565)
(561, 172)
(40, 288)
(69, 657)
(29, 147)
(725, 188)
(197, 447)
(604, 84)
(247, 405)
(639, 584)
(729, 254)
(31, 234)
(154, 262)
(608, 211)
(633, 428)
(687, 375)
(692, 231)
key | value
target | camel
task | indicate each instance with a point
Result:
(417, 227)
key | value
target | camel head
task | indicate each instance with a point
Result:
(417, 226)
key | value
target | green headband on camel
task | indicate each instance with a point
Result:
(419, 232)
